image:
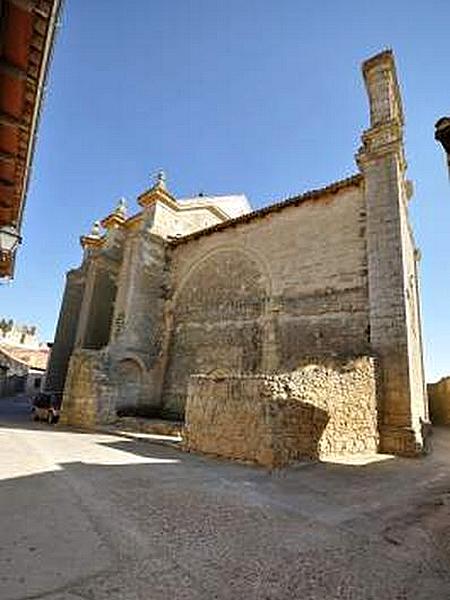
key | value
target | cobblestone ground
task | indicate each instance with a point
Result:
(97, 517)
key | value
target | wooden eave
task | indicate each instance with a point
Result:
(26, 38)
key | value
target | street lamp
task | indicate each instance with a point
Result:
(442, 135)
(9, 240)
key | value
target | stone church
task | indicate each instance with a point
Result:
(194, 294)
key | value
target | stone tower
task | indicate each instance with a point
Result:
(395, 332)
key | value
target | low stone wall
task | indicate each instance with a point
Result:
(322, 409)
(439, 399)
(152, 426)
(89, 398)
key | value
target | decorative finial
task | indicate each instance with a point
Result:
(160, 179)
(157, 192)
(121, 208)
(96, 230)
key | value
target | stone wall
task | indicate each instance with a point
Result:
(218, 325)
(168, 222)
(322, 409)
(419, 400)
(395, 335)
(439, 397)
(263, 296)
(101, 307)
(89, 392)
(139, 331)
(330, 273)
(66, 331)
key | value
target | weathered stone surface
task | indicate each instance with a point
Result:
(152, 426)
(89, 397)
(263, 296)
(184, 288)
(322, 409)
(395, 332)
(66, 331)
(439, 397)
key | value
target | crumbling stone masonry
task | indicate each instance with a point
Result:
(326, 408)
(206, 286)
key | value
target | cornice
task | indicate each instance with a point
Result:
(92, 242)
(113, 221)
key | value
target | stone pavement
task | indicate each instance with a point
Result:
(97, 516)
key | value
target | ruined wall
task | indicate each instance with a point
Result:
(439, 396)
(264, 295)
(323, 409)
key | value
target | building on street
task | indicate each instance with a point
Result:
(200, 300)
(23, 359)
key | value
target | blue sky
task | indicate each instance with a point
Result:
(263, 97)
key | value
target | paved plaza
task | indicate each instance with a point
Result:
(88, 516)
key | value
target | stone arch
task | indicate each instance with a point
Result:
(218, 317)
(219, 251)
(130, 375)
(131, 356)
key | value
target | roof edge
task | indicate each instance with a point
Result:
(333, 188)
(19, 360)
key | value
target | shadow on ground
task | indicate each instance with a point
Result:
(98, 517)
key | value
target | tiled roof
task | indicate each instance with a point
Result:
(33, 358)
(355, 180)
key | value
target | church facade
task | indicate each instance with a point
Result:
(206, 286)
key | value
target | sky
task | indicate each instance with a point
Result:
(262, 97)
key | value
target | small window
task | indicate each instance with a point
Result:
(37, 383)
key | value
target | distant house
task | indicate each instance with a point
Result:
(23, 360)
